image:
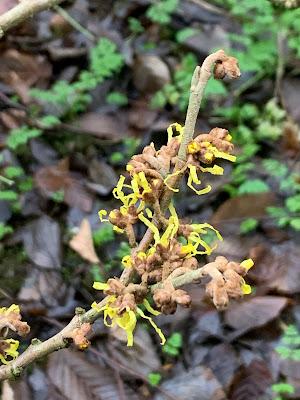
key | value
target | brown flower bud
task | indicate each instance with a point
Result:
(161, 297)
(231, 67)
(116, 287)
(126, 301)
(182, 298)
(79, 336)
(219, 70)
(169, 308)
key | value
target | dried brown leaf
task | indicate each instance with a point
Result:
(83, 244)
(102, 126)
(42, 242)
(252, 381)
(57, 177)
(195, 384)
(78, 379)
(254, 312)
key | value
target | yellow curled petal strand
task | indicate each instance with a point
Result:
(101, 285)
(11, 350)
(193, 178)
(101, 214)
(178, 129)
(127, 261)
(215, 170)
(127, 321)
(151, 226)
(246, 289)
(247, 263)
(157, 329)
(149, 308)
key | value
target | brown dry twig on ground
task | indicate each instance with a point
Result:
(24, 10)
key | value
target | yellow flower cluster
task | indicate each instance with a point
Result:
(8, 347)
(126, 319)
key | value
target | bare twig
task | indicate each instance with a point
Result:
(38, 350)
(24, 10)
(76, 25)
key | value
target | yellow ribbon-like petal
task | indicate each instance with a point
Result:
(178, 129)
(193, 178)
(127, 261)
(100, 286)
(101, 214)
(157, 329)
(127, 322)
(215, 170)
(10, 351)
(247, 264)
(149, 308)
(151, 226)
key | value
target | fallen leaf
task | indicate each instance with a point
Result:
(21, 71)
(195, 384)
(43, 152)
(20, 389)
(58, 177)
(290, 368)
(252, 381)
(43, 289)
(103, 126)
(7, 391)
(290, 97)
(234, 210)
(291, 138)
(103, 176)
(277, 266)
(42, 242)
(254, 312)
(207, 40)
(78, 379)
(83, 244)
(142, 357)
(224, 362)
(150, 73)
(207, 326)
(140, 116)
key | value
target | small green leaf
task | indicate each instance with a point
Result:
(154, 378)
(8, 195)
(58, 196)
(116, 157)
(253, 186)
(293, 203)
(21, 136)
(5, 230)
(117, 98)
(13, 172)
(295, 224)
(49, 121)
(185, 33)
(276, 212)
(275, 168)
(135, 26)
(175, 340)
(283, 387)
(248, 225)
(103, 235)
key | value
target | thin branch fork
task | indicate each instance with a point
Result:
(61, 340)
(24, 10)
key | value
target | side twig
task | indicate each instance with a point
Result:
(24, 10)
